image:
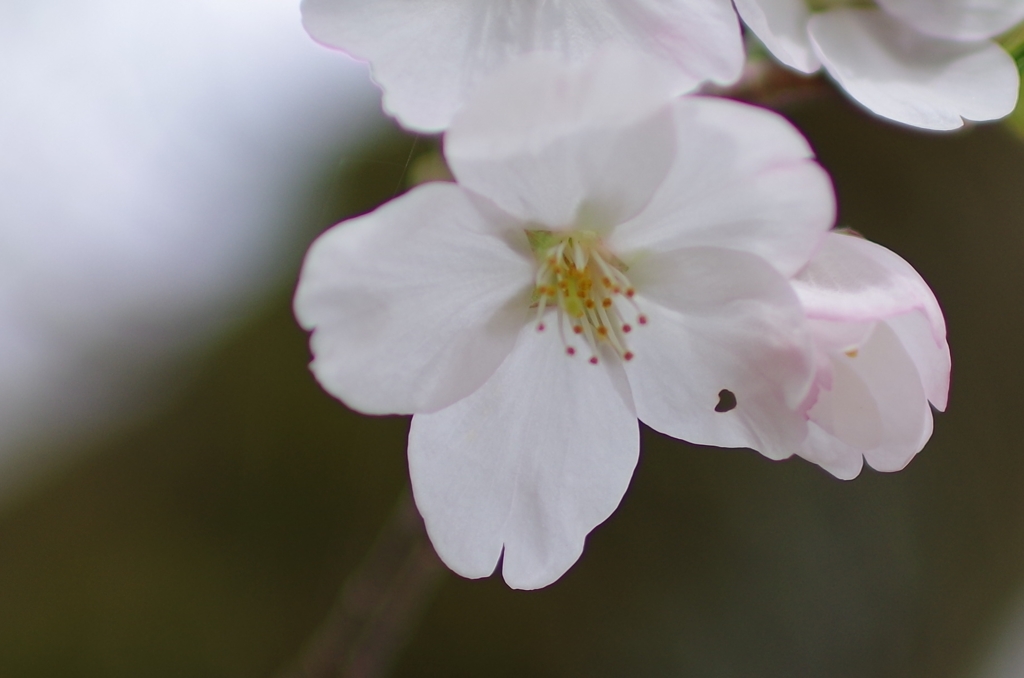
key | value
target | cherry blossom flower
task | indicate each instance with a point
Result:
(606, 254)
(926, 63)
(881, 339)
(428, 55)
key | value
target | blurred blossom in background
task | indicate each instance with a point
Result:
(154, 159)
(180, 498)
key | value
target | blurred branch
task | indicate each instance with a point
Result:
(379, 603)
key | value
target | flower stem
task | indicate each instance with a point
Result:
(378, 605)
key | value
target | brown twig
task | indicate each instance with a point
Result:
(378, 604)
(765, 83)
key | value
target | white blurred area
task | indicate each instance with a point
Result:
(153, 156)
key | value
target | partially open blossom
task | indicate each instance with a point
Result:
(926, 63)
(883, 357)
(606, 254)
(429, 55)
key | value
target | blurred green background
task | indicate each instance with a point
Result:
(211, 539)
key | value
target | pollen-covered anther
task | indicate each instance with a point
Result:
(587, 286)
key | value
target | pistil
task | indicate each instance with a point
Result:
(588, 287)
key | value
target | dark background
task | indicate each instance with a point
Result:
(211, 539)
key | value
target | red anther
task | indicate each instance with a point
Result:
(630, 292)
(578, 329)
(642, 320)
(627, 328)
(570, 350)
(540, 327)
(593, 360)
(628, 355)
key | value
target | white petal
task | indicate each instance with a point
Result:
(528, 465)
(414, 305)
(744, 179)
(847, 410)
(931, 358)
(844, 423)
(782, 26)
(876, 408)
(428, 55)
(911, 78)
(720, 319)
(840, 337)
(852, 279)
(958, 19)
(831, 454)
(543, 139)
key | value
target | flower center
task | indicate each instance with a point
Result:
(588, 287)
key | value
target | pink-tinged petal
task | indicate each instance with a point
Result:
(743, 179)
(844, 423)
(851, 279)
(429, 55)
(876, 409)
(931, 358)
(528, 465)
(840, 337)
(847, 410)
(831, 454)
(782, 26)
(546, 141)
(958, 19)
(852, 282)
(414, 305)
(720, 320)
(906, 76)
